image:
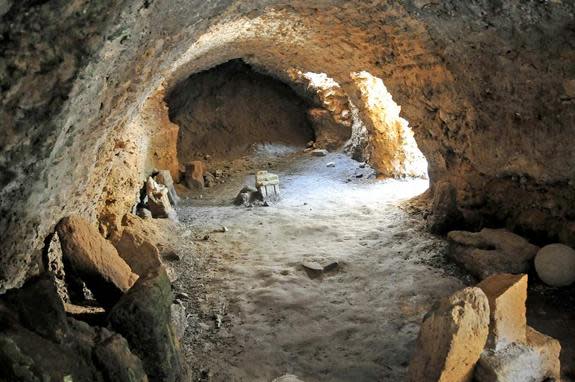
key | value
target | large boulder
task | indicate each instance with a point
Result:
(94, 259)
(39, 343)
(194, 174)
(158, 201)
(491, 251)
(143, 317)
(444, 212)
(452, 337)
(137, 251)
(555, 265)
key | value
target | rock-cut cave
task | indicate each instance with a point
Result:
(287, 190)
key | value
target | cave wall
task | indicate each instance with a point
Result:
(487, 86)
(223, 111)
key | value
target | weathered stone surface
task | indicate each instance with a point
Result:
(94, 259)
(137, 251)
(534, 361)
(112, 355)
(179, 320)
(451, 339)
(194, 175)
(287, 378)
(491, 251)
(319, 152)
(165, 178)
(143, 317)
(555, 265)
(329, 134)
(56, 266)
(507, 295)
(444, 212)
(158, 201)
(38, 342)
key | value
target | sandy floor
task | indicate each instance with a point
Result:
(255, 314)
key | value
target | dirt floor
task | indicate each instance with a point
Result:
(255, 313)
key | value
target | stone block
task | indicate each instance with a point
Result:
(507, 295)
(194, 174)
(451, 339)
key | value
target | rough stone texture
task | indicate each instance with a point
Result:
(143, 317)
(158, 201)
(451, 339)
(194, 175)
(179, 320)
(486, 86)
(225, 110)
(555, 265)
(137, 251)
(535, 361)
(507, 295)
(164, 178)
(56, 266)
(491, 251)
(38, 342)
(94, 259)
(444, 212)
(328, 132)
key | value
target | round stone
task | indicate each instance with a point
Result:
(555, 265)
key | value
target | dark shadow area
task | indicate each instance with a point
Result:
(224, 110)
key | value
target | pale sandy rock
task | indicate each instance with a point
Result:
(137, 251)
(56, 266)
(507, 295)
(179, 320)
(534, 361)
(158, 201)
(319, 152)
(165, 178)
(94, 259)
(451, 339)
(555, 265)
(491, 251)
(194, 175)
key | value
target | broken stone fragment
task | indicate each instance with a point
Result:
(268, 185)
(247, 196)
(444, 212)
(312, 268)
(56, 266)
(137, 251)
(158, 201)
(143, 317)
(490, 251)
(209, 180)
(319, 152)
(330, 164)
(164, 178)
(507, 295)
(451, 339)
(555, 265)
(194, 175)
(287, 378)
(94, 259)
(536, 360)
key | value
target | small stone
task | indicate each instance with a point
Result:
(218, 173)
(182, 296)
(362, 165)
(555, 265)
(359, 175)
(165, 178)
(319, 152)
(310, 144)
(330, 164)
(331, 266)
(158, 200)
(287, 378)
(209, 180)
(313, 269)
(171, 256)
(194, 175)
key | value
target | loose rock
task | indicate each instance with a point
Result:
(164, 178)
(158, 201)
(555, 265)
(94, 259)
(138, 252)
(491, 251)
(451, 338)
(194, 176)
(319, 152)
